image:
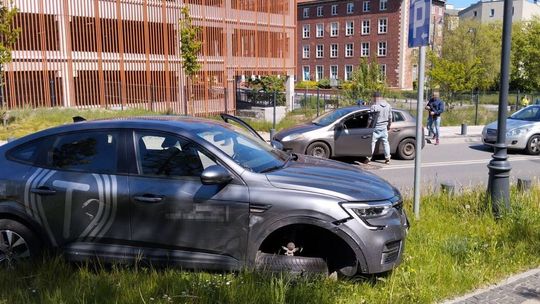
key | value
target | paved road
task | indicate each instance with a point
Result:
(462, 162)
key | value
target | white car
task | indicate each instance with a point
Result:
(522, 131)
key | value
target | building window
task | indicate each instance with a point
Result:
(348, 72)
(305, 53)
(305, 31)
(383, 5)
(383, 25)
(349, 28)
(306, 12)
(333, 72)
(475, 14)
(306, 75)
(350, 8)
(320, 73)
(334, 29)
(320, 30)
(320, 51)
(382, 69)
(365, 27)
(334, 9)
(492, 12)
(333, 51)
(381, 49)
(366, 6)
(319, 11)
(349, 50)
(365, 49)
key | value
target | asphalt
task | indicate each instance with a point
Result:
(522, 288)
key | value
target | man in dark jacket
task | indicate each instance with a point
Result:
(435, 107)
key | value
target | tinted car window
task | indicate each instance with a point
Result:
(95, 152)
(357, 121)
(26, 153)
(529, 113)
(169, 156)
(330, 117)
(396, 116)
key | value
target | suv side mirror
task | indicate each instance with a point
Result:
(215, 175)
(276, 145)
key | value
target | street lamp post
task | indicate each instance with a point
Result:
(499, 166)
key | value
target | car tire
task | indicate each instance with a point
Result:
(407, 149)
(318, 149)
(17, 243)
(291, 264)
(533, 145)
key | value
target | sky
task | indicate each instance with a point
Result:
(461, 3)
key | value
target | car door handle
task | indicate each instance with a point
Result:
(43, 191)
(148, 198)
(366, 136)
(396, 130)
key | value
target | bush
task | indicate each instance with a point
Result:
(308, 84)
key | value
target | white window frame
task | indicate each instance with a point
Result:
(319, 68)
(334, 29)
(306, 29)
(319, 51)
(347, 72)
(383, 5)
(382, 26)
(364, 49)
(382, 51)
(350, 7)
(492, 12)
(349, 50)
(366, 27)
(382, 69)
(334, 10)
(305, 51)
(304, 78)
(334, 50)
(319, 30)
(349, 28)
(306, 12)
(336, 74)
(320, 12)
(366, 6)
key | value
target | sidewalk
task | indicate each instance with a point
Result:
(519, 289)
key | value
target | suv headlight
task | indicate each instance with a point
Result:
(374, 214)
(292, 137)
(517, 132)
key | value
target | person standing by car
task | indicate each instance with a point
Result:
(435, 107)
(384, 120)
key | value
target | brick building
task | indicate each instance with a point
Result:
(116, 53)
(333, 35)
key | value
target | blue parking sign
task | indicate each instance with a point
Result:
(419, 21)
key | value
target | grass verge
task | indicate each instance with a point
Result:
(455, 247)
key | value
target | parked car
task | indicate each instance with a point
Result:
(522, 131)
(348, 132)
(198, 193)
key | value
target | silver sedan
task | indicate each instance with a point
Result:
(348, 132)
(522, 131)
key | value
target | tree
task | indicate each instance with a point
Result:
(470, 58)
(8, 36)
(190, 47)
(366, 79)
(525, 70)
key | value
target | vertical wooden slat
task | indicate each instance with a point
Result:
(121, 52)
(99, 49)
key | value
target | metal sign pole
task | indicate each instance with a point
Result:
(419, 113)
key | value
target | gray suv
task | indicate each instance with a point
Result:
(196, 193)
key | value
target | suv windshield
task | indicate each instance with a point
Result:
(528, 113)
(330, 117)
(246, 150)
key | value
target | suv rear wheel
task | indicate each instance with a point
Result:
(17, 243)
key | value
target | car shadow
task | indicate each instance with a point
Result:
(484, 148)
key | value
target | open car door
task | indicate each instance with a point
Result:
(230, 118)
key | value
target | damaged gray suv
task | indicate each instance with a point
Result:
(196, 193)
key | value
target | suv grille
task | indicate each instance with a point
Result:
(391, 252)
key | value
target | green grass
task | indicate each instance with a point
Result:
(455, 247)
(458, 115)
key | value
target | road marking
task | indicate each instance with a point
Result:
(458, 162)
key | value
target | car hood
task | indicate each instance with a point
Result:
(511, 124)
(300, 129)
(328, 177)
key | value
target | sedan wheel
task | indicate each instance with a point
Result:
(407, 149)
(17, 243)
(533, 146)
(319, 149)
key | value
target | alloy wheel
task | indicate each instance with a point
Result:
(534, 145)
(13, 248)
